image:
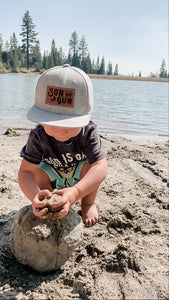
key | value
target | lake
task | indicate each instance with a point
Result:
(121, 107)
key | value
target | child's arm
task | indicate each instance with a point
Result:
(86, 185)
(28, 185)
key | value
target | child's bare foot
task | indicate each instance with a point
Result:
(89, 214)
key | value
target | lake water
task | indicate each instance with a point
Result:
(122, 107)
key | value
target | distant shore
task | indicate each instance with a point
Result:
(98, 76)
(124, 77)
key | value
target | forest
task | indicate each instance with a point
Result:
(16, 58)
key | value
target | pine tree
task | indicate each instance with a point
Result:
(88, 65)
(102, 66)
(76, 60)
(83, 50)
(61, 57)
(152, 75)
(109, 68)
(163, 69)
(50, 61)
(69, 59)
(21, 58)
(116, 70)
(6, 56)
(54, 54)
(1, 54)
(13, 54)
(1, 45)
(36, 57)
(13, 44)
(28, 37)
(93, 71)
(73, 43)
(98, 65)
(45, 61)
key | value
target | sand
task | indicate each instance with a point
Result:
(123, 256)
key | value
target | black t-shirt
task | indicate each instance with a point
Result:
(41, 147)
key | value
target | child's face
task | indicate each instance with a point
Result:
(61, 134)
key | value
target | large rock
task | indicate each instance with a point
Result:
(45, 245)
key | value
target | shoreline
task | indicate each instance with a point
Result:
(130, 136)
(100, 76)
(124, 77)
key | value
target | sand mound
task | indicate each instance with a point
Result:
(44, 245)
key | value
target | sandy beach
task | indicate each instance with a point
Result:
(125, 255)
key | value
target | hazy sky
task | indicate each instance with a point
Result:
(130, 33)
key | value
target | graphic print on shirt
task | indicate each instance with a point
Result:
(67, 164)
(64, 174)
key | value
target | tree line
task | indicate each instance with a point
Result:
(28, 55)
(14, 57)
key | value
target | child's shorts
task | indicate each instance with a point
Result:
(59, 179)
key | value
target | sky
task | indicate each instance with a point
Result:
(130, 33)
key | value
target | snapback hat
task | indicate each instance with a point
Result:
(63, 98)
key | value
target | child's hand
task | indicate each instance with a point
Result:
(39, 202)
(67, 199)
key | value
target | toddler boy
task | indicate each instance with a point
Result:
(64, 151)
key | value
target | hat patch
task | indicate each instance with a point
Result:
(58, 96)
